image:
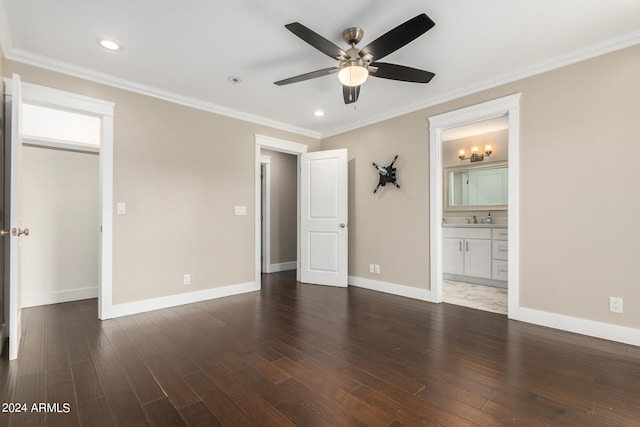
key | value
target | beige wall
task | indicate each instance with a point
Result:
(578, 239)
(181, 171)
(580, 132)
(283, 204)
(391, 227)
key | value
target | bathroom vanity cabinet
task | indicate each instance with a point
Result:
(500, 265)
(475, 254)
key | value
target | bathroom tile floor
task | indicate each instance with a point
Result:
(481, 297)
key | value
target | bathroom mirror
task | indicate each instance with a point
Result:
(476, 187)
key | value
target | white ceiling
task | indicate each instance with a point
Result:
(186, 51)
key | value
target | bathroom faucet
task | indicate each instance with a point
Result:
(475, 220)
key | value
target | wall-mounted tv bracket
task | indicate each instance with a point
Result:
(386, 175)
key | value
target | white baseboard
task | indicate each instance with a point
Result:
(283, 266)
(126, 309)
(590, 328)
(576, 325)
(391, 288)
(56, 297)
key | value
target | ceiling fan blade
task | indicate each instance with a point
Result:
(307, 76)
(317, 41)
(350, 93)
(399, 72)
(398, 37)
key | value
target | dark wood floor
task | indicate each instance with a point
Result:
(310, 355)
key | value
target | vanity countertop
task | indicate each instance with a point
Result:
(465, 225)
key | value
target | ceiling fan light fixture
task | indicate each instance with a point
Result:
(353, 73)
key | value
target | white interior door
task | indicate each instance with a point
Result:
(323, 218)
(13, 140)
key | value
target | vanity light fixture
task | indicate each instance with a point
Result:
(475, 156)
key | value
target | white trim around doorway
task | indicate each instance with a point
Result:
(265, 206)
(72, 102)
(509, 106)
(282, 146)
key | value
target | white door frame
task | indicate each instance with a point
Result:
(13, 158)
(61, 100)
(265, 223)
(509, 105)
(282, 146)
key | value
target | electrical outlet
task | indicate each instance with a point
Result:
(615, 304)
(376, 268)
(371, 269)
(187, 279)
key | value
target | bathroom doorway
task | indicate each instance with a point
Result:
(475, 214)
(472, 250)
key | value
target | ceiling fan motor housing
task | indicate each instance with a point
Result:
(353, 35)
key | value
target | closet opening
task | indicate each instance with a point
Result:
(60, 203)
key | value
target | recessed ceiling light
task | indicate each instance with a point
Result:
(109, 44)
(318, 113)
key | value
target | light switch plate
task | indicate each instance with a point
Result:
(121, 208)
(241, 210)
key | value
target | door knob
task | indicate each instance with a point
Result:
(343, 225)
(15, 232)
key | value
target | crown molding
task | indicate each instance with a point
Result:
(597, 49)
(25, 57)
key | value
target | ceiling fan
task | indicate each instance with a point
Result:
(357, 64)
